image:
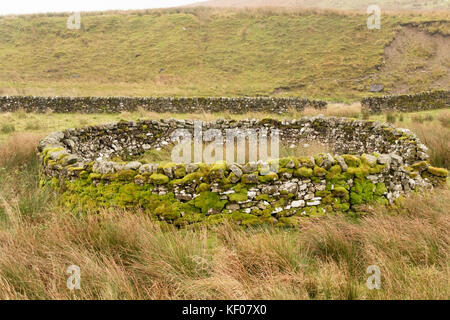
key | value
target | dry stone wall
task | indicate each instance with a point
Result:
(408, 103)
(156, 104)
(371, 162)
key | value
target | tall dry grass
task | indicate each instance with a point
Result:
(436, 136)
(332, 110)
(124, 255)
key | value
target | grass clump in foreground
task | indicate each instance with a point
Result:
(124, 255)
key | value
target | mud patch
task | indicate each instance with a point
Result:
(415, 61)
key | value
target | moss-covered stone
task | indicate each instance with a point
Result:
(440, 172)
(240, 195)
(320, 172)
(340, 191)
(189, 178)
(249, 178)
(362, 192)
(180, 171)
(305, 161)
(158, 178)
(209, 200)
(271, 176)
(203, 187)
(420, 166)
(351, 160)
(380, 189)
(303, 172)
(359, 172)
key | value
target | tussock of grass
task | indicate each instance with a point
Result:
(7, 128)
(444, 119)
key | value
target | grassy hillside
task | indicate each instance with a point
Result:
(333, 4)
(319, 54)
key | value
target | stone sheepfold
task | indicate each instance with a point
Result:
(372, 162)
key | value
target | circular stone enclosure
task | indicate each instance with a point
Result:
(370, 162)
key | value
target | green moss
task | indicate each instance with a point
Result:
(203, 187)
(180, 172)
(94, 176)
(440, 172)
(303, 172)
(322, 193)
(336, 169)
(320, 172)
(413, 174)
(218, 170)
(271, 122)
(341, 206)
(246, 219)
(365, 160)
(340, 191)
(376, 168)
(351, 160)
(84, 174)
(157, 178)
(359, 172)
(125, 175)
(335, 173)
(47, 151)
(319, 159)
(54, 183)
(195, 176)
(168, 165)
(380, 189)
(420, 166)
(264, 197)
(283, 162)
(271, 176)
(207, 200)
(362, 191)
(290, 222)
(305, 161)
(167, 211)
(238, 197)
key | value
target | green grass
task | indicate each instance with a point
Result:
(202, 52)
